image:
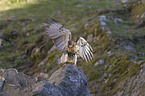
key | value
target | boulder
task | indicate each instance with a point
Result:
(102, 18)
(68, 80)
(14, 81)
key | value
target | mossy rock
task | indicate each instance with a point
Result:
(137, 13)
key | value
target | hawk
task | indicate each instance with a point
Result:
(62, 39)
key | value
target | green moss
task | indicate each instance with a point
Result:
(93, 91)
(15, 15)
(74, 19)
(120, 68)
(52, 60)
(137, 12)
(60, 65)
(128, 32)
(37, 58)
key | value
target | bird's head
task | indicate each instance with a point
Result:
(70, 44)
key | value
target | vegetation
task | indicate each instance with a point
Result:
(26, 44)
(22, 23)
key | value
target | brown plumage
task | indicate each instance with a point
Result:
(62, 39)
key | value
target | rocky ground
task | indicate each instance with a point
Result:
(114, 29)
(66, 81)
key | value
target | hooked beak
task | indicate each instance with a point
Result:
(70, 46)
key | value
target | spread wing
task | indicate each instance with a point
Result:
(85, 50)
(58, 33)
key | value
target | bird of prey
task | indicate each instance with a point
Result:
(62, 39)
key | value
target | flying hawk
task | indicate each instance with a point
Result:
(63, 40)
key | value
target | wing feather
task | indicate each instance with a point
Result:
(85, 50)
(58, 33)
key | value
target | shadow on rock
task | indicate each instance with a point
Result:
(66, 81)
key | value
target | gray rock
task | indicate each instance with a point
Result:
(3, 93)
(1, 83)
(47, 89)
(109, 32)
(66, 81)
(101, 18)
(103, 23)
(124, 1)
(120, 20)
(96, 63)
(72, 81)
(117, 20)
(143, 15)
(90, 38)
(42, 76)
(99, 62)
(14, 81)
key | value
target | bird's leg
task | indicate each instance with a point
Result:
(65, 57)
(62, 58)
(75, 59)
